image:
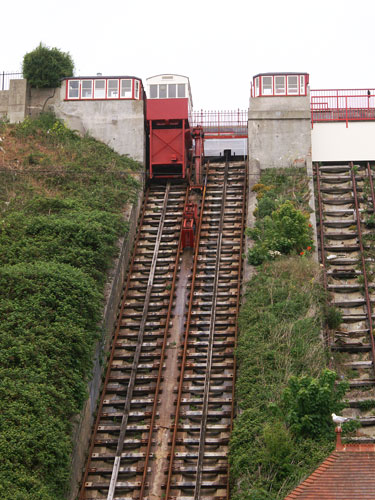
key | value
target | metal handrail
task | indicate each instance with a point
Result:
(5, 79)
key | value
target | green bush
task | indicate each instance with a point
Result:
(285, 231)
(308, 402)
(333, 317)
(84, 239)
(45, 66)
(49, 322)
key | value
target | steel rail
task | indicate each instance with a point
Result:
(244, 204)
(109, 365)
(124, 422)
(369, 173)
(321, 227)
(162, 356)
(206, 391)
(185, 348)
(367, 296)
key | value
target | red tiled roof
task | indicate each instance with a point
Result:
(347, 474)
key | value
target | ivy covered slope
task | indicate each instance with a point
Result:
(284, 392)
(61, 200)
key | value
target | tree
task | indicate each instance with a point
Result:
(44, 66)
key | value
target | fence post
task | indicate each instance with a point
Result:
(346, 110)
(2, 85)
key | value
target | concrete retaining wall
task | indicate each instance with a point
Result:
(4, 97)
(17, 100)
(83, 423)
(332, 141)
(119, 123)
(40, 100)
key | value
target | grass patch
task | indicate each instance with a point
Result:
(62, 199)
(282, 216)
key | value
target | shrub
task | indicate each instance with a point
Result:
(285, 231)
(49, 322)
(45, 66)
(333, 317)
(307, 404)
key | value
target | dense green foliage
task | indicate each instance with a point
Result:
(45, 66)
(282, 225)
(58, 231)
(308, 403)
(285, 393)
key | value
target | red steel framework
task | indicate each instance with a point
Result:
(224, 124)
(342, 105)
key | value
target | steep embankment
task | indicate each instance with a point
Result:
(61, 201)
(285, 395)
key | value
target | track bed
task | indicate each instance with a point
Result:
(345, 203)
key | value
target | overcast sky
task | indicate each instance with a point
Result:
(218, 44)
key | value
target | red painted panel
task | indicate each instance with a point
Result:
(167, 109)
(167, 146)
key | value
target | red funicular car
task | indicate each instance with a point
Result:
(168, 109)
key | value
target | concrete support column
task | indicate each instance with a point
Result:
(17, 103)
(280, 131)
(280, 137)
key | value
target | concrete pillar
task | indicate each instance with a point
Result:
(280, 136)
(17, 102)
(280, 131)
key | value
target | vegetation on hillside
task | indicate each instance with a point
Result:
(282, 224)
(285, 393)
(45, 67)
(61, 204)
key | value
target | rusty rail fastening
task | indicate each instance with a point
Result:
(363, 261)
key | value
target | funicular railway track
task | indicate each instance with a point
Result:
(165, 415)
(198, 466)
(123, 428)
(345, 201)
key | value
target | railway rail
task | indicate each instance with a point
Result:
(346, 206)
(165, 414)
